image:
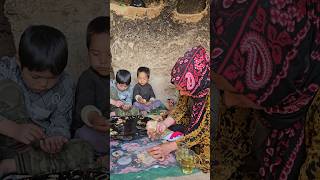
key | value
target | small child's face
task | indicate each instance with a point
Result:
(99, 53)
(39, 81)
(122, 87)
(143, 78)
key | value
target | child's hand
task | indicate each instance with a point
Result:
(126, 107)
(99, 123)
(119, 103)
(53, 144)
(143, 101)
(27, 133)
(140, 99)
(152, 99)
(112, 114)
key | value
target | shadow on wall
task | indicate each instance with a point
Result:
(69, 16)
(7, 47)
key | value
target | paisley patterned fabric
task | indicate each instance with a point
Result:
(269, 51)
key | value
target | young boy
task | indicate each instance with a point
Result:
(91, 101)
(36, 101)
(121, 94)
(144, 97)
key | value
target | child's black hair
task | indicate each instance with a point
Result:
(96, 26)
(123, 77)
(145, 70)
(43, 48)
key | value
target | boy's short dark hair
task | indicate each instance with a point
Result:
(145, 70)
(43, 48)
(123, 77)
(98, 25)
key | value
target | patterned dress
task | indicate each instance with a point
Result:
(240, 134)
(191, 74)
(269, 51)
(198, 139)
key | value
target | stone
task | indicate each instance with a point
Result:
(191, 6)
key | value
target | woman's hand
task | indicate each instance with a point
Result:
(161, 151)
(155, 128)
(161, 127)
(151, 129)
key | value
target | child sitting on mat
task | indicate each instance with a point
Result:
(121, 95)
(144, 97)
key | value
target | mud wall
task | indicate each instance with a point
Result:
(69, 16)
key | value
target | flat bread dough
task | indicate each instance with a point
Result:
(145, 158)
(124, 160)
(117, 153)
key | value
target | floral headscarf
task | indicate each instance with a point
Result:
(191, 73)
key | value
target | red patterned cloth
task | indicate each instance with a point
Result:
(269, 51)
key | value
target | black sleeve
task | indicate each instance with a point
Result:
(85, 95)
(152, 95)
(135, 92)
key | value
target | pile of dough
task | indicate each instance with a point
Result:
(117, 153)
(145, 158)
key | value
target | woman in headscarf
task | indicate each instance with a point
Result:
(190, 75)
(266, 61)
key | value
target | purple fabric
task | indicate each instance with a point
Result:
(142, 107)
(97, 139)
